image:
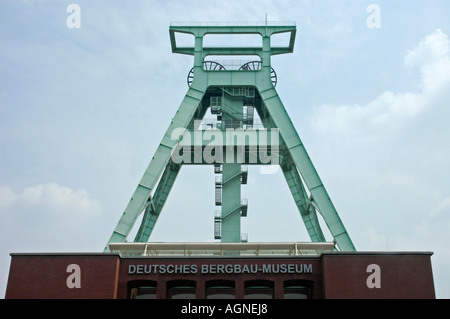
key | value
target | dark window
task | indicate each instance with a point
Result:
(223, 289)
(258, 289)
(297, 289)
(181, 289)
(142, 289)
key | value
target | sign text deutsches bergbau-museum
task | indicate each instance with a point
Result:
(145, 269)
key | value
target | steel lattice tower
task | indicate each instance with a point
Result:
(232, 94)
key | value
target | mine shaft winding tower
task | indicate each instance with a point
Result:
(235, 94)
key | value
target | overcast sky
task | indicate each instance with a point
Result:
(82, 111)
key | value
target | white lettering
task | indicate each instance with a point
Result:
(229, 268)
(233, 142)
(373, 20)
(205, 269)
(198, 309)
(131, 269)
(73, 20)
(253, 308)
(292, 268)
(215, 146)
(176, 136)
(140, 269)
(74, 280)
(374, 280)
(307, 268)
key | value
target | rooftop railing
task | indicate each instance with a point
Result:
(231, 23)
(217, 249)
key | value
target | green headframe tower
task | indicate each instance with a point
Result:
(232, 92)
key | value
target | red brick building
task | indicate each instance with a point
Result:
(221, 271)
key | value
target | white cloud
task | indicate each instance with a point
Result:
(47, 202)
(53, 217)
(391, 109)
(433, 57)
(392, 153)
(45, 218)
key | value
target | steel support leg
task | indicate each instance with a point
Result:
(135, 207)
(306, 168)
(306, 209)
(154, 208)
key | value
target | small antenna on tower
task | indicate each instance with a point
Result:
(266, 22)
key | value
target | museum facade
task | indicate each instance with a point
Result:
(221, 271)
